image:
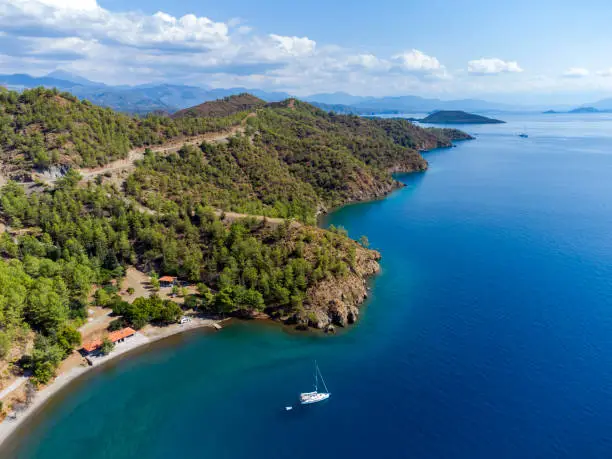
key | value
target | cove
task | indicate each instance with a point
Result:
(488, 332)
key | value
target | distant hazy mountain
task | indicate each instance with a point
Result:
(344, 109)
(601, 105)
(346, 103)
(71, 77)
(584, 110)
(420, 104)
(133, 99)
(336, 98)
(174, 97)
(587, 108)
(20, 80)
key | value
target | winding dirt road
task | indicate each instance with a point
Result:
(119, 166)
(137, 154)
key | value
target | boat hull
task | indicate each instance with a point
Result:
(310, 398)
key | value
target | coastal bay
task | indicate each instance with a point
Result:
(457, 352)
(71, 371)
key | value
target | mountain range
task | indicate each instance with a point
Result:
(170, 98)
(347, 103)
(132, 99)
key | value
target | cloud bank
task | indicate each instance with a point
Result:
(576, 72)
(128, 47)
(492, 66)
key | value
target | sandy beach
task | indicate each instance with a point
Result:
(147, 335)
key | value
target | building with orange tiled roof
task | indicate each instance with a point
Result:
(167, 281)
(115, 337)
(92, 346)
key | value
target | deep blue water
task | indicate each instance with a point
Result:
(488, 334)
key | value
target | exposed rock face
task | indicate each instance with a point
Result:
(54, 172)
(336, 301)
(409, 166)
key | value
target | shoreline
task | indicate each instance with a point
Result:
(321, 216)
(9, 425)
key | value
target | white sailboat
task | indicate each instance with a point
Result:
(307, 398)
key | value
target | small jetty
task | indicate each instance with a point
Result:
(217, 326)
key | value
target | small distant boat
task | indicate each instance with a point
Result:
(523, 135)
(307, 398)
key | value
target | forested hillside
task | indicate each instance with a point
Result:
(79, 236)
(291, 161)
(43, 127)
(223, 107)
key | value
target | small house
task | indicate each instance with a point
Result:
(115, 337)
(167, 281)
(120, 336)
(91, 347)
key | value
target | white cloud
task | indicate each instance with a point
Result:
(87, 19)
(76, 45)
(70, 4)
(47, 27)
(128, 47)
(294, 46)
(492, 66)
(576, 72)
(417, 61)
(605, 72)
(366, 62)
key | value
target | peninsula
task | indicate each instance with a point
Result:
(213, 210)
(457, 117)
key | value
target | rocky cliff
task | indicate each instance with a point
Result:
(335, 301)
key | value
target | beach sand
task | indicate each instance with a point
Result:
(75, 366)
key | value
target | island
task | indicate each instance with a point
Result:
(457, 117)
(576, 111)
(584, 110)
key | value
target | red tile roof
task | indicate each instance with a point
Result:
(167, 279)
(92, 345)
(120, 334)
(113, 336)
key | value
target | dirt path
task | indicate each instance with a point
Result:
(97, 323)
(231, 217)
(137, 280)
(18, 382)
(166, 148)
(121, 166)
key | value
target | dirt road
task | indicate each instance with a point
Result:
(137, 154)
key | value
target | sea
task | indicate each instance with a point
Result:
(487, 334)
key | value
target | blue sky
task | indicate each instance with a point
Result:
(519, 51)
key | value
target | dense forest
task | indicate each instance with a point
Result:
(42, 127)
(79, 236)
(292, 161)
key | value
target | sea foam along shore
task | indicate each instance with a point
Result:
(10, 425)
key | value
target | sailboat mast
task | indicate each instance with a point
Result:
(322, 380)
(316, 376)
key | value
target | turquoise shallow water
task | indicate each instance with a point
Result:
(488, 334)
